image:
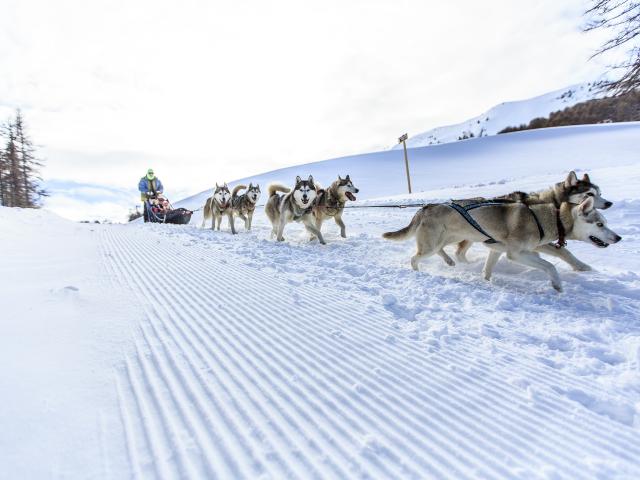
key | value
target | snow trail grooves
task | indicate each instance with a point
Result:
(225, 390)
(522, 426)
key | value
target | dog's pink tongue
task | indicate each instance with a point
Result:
(351, 196)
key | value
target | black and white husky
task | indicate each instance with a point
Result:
(294, 206)
(217, 206)
(244, 205)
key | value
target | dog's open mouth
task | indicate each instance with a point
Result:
(305, 200)
(597, 242)
(350, 196)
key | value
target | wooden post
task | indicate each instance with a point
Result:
(403, 140)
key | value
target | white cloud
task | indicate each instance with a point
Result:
(216, 90)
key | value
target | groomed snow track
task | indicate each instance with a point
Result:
(242, 372)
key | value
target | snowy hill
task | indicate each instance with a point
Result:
(173, 352)
(473, 162)
(505, 115)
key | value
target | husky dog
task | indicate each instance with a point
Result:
(244, 205)
(331, 201)
(294, 206)
(571, 190)
(516, 228)
(217, 206)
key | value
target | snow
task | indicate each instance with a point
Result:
(161, 351)
(507, 114)
(486, 163)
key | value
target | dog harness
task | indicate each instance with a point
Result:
(562, 242)
(299, 213)
(331, 202)
(464, 211)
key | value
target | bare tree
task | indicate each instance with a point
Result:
(622, 18)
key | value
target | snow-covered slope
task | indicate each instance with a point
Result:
(507, 114)
(508, 156)
(162, 351)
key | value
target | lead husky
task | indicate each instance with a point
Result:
(294, 206)
(512, 226)
(330, 202)
(244, 205)
(218, 205)
(570, 190)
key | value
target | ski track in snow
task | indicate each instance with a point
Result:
(293, 360)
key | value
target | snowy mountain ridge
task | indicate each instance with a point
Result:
(507, 114)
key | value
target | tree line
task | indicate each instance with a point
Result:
(20, 180)
(622, 108)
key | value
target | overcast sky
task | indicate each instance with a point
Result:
(207, 91)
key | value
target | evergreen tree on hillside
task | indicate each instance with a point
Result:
(19, 166)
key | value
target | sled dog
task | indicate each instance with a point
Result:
(244, 205)
(294, 206)
(218, 205)
(516, 229)
(330, 202)
(571, 190)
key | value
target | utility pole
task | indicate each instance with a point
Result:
(403, 141)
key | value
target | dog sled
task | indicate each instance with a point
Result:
(160, 210)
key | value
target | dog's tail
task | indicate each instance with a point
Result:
(236, 189)
(406, 232)
(274, 188)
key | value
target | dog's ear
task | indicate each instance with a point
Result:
(347, 177)
(572, 179)
(586, 205)
(298, 179)
(585, 178)
(339, 178)
(310, 179)
(217, 186)
(250, 185)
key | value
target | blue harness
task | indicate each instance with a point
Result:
(464, 211)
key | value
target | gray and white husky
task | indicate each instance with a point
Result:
(331, 202)
(518, 230)
(294, 206)
(217, 206)
(244, 205)
(570, 190)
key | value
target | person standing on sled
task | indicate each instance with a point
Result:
(150, 188)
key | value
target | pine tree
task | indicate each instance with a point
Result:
(29, 165)
(19, 167)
